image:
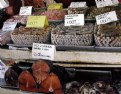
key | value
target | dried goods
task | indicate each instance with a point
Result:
(82, 10)
(103, 88)
(28, 36)
(108, 35)
(94, 11)
(4, 37)
(18, 18)
(23, 18)
(54, 14)
(38, 3)
(86, 88)
(118, 86)
(77, 36)
(99, 87)
(72, 87)
(48, 2)
(27, 2)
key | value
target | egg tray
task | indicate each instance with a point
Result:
(22, 39)
(75, 40)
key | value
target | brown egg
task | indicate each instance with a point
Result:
(27, 82)
(51, 84)
(40, 70)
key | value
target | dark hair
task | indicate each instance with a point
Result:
(16, 4)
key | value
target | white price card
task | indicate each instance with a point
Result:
(9, 26)
(26, 10)
(78, 4)
(106, 17)
(74, 20)
(103, 3)
(3, 69)
(43, 51)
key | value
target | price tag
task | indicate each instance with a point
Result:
(9, 26)
(106, 17)
(3, 69)
(58, 6)
(74, 20)
(43, 51)
(103, 3)
(4, 3)
(37, 21)
(78, 4)
(26, 10)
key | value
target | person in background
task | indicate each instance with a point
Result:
(7, 12)
(14, 6)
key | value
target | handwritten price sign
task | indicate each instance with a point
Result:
(74, 20)
(9, 26)
(103, 3)
(43, 51)
(77, 4)
(53, 6)
(37, 21)
(26, 10)
(106, 17)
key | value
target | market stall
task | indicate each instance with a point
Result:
(46, 48)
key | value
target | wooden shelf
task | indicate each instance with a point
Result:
(68, 56)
